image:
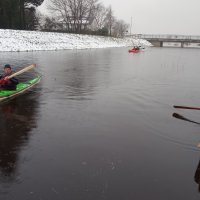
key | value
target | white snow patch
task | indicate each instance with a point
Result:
(15, 40)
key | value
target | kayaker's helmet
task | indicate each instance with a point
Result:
(7, 66)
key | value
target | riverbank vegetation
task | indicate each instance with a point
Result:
(78, 16)
(19, 14)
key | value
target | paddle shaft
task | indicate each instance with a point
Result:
(22, 71)
(178, 116)
(3, 81)
(187, 107)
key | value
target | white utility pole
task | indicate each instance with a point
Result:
(131, 27)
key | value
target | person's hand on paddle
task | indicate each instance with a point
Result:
(8, 77)
(4, 80)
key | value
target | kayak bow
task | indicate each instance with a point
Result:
(21, 88)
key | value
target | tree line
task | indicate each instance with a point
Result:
(83, 16)
(18, 14)
(71, 16)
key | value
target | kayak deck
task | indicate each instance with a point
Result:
(21, 87)
(133, 50)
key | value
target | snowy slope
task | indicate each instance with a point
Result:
(14, 40)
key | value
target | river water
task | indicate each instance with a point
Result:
(99, 126)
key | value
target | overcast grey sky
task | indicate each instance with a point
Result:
(158, 16)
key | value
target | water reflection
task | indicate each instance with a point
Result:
(83, 76)
(128, 120)
(17, 119)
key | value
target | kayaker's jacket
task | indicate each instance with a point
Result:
(10, 84)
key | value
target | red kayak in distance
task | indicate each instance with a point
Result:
(133, 50)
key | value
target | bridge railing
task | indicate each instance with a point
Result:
(167, 36)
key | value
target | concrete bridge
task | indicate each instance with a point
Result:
(158, 40)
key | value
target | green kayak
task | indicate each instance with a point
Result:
(21, 88)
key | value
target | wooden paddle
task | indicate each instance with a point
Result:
(187, 107)
(18, 73)
(178, 116)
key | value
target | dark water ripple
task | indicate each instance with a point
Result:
(100, 126)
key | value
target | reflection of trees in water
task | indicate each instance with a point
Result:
(17, 118)
(85, 73)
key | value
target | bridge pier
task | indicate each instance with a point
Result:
(182, 44)
(161, 43)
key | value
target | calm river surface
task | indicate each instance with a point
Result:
(99, 126)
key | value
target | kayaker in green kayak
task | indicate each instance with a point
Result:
(5, 82)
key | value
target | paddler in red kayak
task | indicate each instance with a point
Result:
(5, 82)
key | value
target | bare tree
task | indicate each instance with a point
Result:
(99, 21)
(120, 28)
(110, 20)
(75, 14)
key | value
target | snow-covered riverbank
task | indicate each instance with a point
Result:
(14, 40)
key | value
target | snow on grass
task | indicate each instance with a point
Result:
(15, 40)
